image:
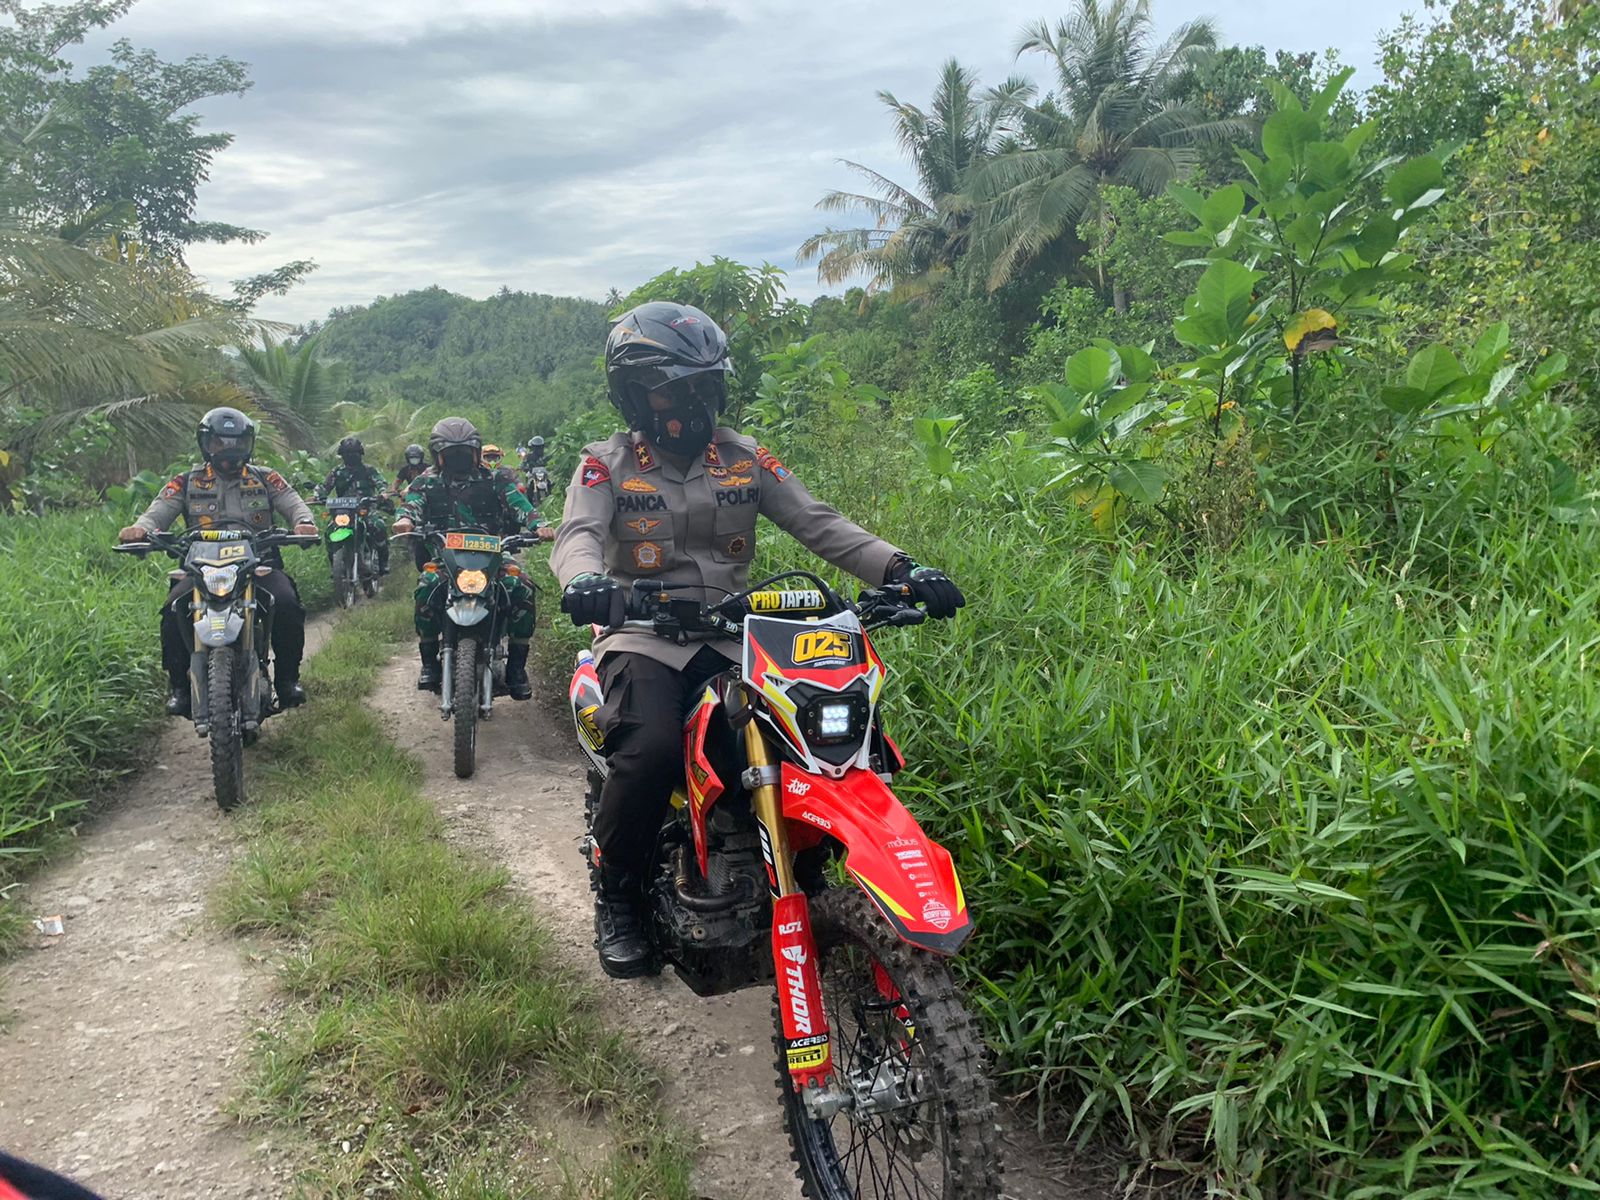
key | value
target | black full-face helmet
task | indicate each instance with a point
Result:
(351, 450)
(678, 353)
(227, 439)
(416, 455)
(455, 445)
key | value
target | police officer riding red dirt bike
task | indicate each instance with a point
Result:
(741, 824)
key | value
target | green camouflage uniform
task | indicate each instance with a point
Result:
(479, 500)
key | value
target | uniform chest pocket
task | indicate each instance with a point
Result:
(645, 538)
(733, 529)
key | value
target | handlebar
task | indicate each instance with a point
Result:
(176, 543)
(653, 606)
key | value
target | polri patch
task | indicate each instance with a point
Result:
(647, 556)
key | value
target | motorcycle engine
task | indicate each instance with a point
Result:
(715, 930)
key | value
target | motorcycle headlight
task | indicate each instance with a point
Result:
(342, 519)
(220, 581)
(472, 582)
(832, 719)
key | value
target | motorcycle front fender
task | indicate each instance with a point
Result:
(467, 611)
(339, 535)
(909, 877)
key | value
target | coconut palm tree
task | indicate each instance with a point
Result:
(915, 230)
(296, 391)
(1114, 115)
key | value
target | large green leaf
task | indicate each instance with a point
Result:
(1137, 363)
(1287, 134)
(1139, 479)
(1490, 347)
(1432, 369)
(1221, 300)
(1413, 179)
(1222, 208)
(1092, 370)
(1327, 164)
(1377, 237)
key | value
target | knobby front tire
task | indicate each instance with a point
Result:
(227, 727)
(464, 691)
(944, 1147)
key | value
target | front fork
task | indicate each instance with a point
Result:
(794, 950)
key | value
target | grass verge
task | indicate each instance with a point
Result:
(431, 1045)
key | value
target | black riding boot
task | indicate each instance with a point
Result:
(619, 932)
(517, 671)
(428, 678)
(290, 693)
(178, 696)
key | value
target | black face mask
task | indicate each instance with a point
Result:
(685, 428)
(353, 461)
(458, 460)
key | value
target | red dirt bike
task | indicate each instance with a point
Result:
(787, 857)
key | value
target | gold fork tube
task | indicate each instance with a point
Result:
(768, 808)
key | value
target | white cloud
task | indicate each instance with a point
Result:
(575, 145)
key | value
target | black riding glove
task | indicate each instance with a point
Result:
(930, 587)
(592, 599)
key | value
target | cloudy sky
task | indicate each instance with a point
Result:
(571, 146)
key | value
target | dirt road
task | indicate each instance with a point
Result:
(123, 1037)
(524, 808)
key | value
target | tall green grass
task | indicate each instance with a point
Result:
(78, 668)
(1286, 862)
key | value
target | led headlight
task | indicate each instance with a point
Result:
(831, 719)
(471, 582)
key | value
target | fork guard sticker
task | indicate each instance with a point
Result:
(805, 1023)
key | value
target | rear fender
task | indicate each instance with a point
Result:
(908, 876)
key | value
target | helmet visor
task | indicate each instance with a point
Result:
(235, 448)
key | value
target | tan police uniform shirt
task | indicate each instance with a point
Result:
(207, 499)
(632, 514)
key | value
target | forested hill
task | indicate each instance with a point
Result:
(519, 361)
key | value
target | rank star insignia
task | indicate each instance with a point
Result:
(642, 456)
(712, 457)
(638, 485)
(641, 525)
(647, 556)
